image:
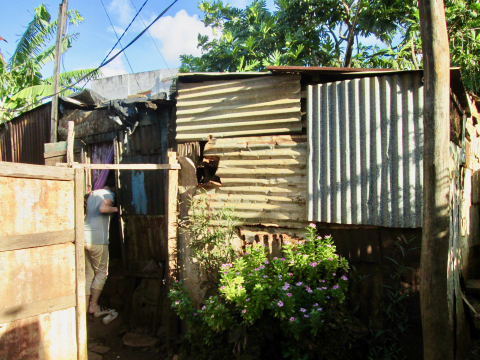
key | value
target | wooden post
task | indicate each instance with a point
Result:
(436, 296)
(171, 228)
(80, 267)
(117, 154)
(70, 142)
(62, 19)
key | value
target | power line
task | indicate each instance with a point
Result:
(154, 42)
(113, 57)
(131, 22)
(124, 54)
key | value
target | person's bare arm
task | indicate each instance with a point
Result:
(106, 207)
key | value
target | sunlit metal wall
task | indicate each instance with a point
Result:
(365, 145)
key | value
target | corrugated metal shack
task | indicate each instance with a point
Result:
(138, 248)
(340, 147)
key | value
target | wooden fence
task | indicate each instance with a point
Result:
(42, 276)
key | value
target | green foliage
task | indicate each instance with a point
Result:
(21, 83)
(294, 303)
(210, 246)
(387, 340)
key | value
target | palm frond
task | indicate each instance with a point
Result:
(48, 54)
(70, 77)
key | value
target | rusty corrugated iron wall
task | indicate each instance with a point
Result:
(25, 136)
(263, 178)
(266, 105)
(365, 151)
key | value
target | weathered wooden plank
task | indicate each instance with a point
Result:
(257, 122)
(34, 171)
(273, 129)
(49, 336)
(230, 172)
(35, 274)
(35, 206)
(124, 166)
(81, 312)
(232, 116)
(229, 107)
(19, 312)
(293, 152)
(263, 162)
(171, 228)
(70, 138)
(17, 242)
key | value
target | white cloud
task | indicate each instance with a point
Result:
(178, 35)
(122, 9)
(116, 29)
(116, 67)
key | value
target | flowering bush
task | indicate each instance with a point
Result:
(302, 291)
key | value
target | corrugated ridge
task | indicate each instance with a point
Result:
(269, 189)
(365, 151)
(266, 105)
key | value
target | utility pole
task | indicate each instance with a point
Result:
(61, 21)
(435, 301)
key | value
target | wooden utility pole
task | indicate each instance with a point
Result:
(61, 21)
(435, 301)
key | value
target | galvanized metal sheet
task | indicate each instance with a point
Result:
(265, 105)
(365, 151)
(263, 179)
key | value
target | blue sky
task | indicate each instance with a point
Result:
(175, 33)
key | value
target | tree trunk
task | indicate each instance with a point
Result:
(351, 38)
(435, 299)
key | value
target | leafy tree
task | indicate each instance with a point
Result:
(328, 33)
(21, 83)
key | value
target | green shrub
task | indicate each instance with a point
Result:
(295, 303)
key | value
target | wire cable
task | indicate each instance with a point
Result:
(154, 42)
(124, 54)
(109, 60)
(131, 22)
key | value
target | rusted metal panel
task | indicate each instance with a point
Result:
(365, 151)
(261, 106)
(5, 144)
(145, 239)
(26, 135)
(263, 178)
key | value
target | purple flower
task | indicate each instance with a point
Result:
(305, 255)
(280, 277)
(257, 269)
(316, 304)
(319, 309)
(299, 253)
(176, 280)
(288, 294)
(225, 273)
(328, 245)
(319, 288)
(344, 278)
(319, 237)
(306, 315)
(203, 308)
(211, 302)
(270, 287)
(287, 242)
(250, 274)
(324, 288)
(262, 267)
(283, 259)
(265, 276)
(195, 314)
(292, 262)
(240, 287)
(310, 290)
(328, 236)
(213, 316)
(275, 258)
(266, 262)
(290, 274)
(314, 264)
(246, 253)
(298, 283)
(322, 281)
(328, 297)
(292, 319)
(335, 287)
(334, 274)
(312, 225)
(280, 304)
(223, 288)
(302, 310)
(244, 311)
(248, 245)
(319, 246)
(330, 259)
(177, 302)
(285, 287)
(237, 273)
(248, 299)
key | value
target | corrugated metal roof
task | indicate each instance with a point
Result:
(265, 105)
(365, 151)
(264, 178)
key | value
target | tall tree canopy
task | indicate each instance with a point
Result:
(21, 83)
(330, 33)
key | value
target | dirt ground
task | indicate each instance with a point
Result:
(110, 337)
